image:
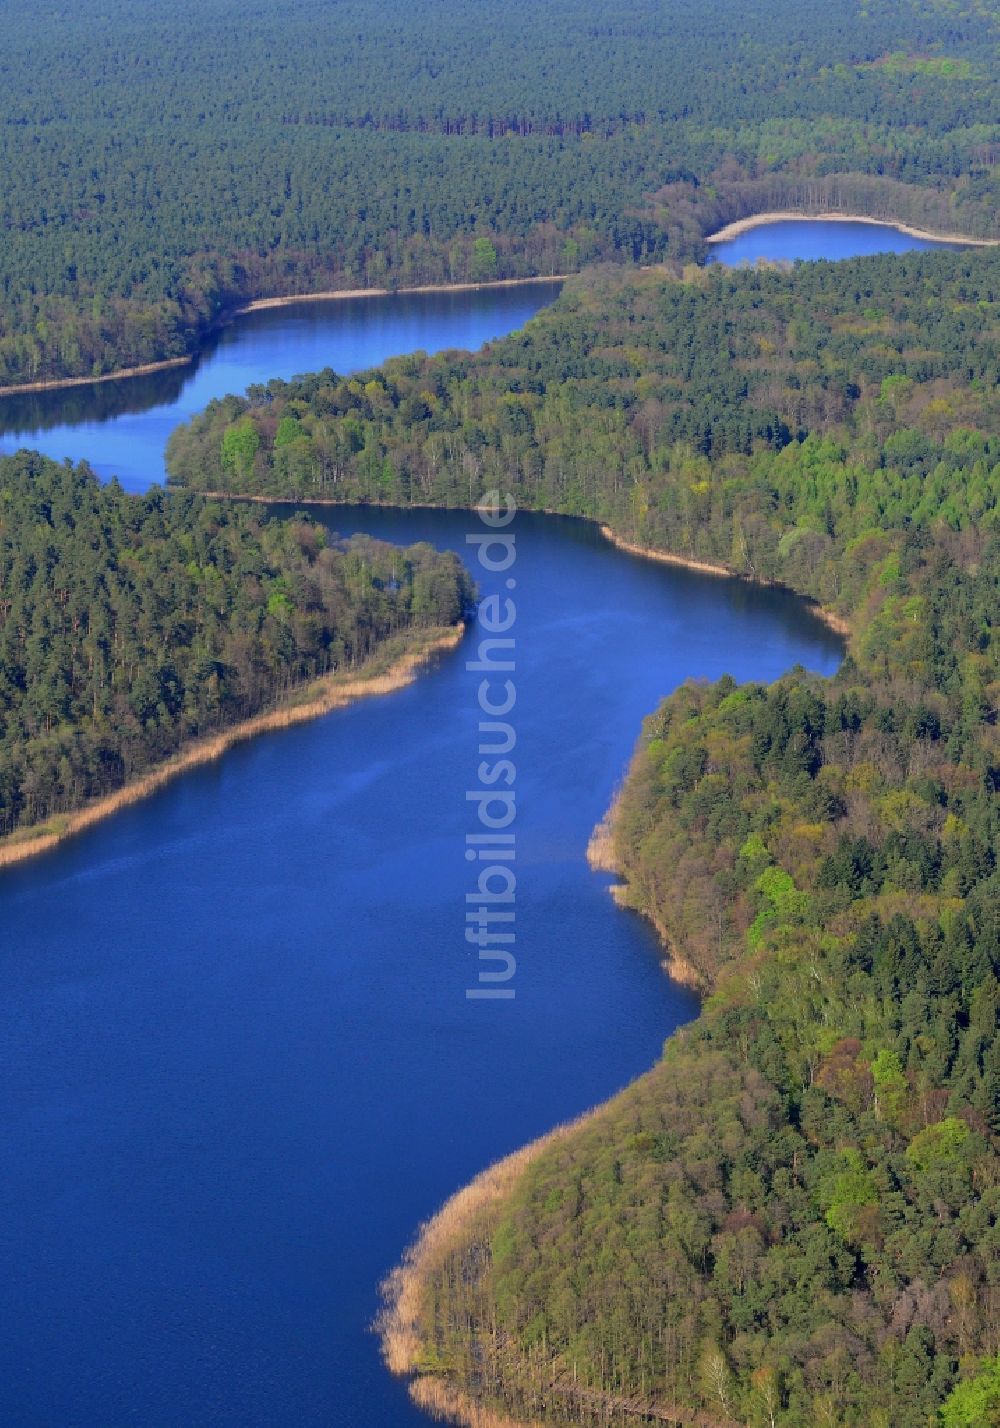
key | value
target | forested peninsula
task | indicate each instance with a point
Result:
(792, 1219)
(174, 166)
(142, 634)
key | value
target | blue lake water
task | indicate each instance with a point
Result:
(122, 427)
(237, 1063)
(789, 240)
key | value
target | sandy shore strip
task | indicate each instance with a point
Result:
(339, 295)
(830, 618)
(602, 858)
(56, 384)
(789, 215)
(465, 1214)
(321, 697)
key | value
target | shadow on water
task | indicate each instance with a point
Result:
(27, 413)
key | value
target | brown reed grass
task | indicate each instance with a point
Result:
(318, 698)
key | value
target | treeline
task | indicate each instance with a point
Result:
(130, 625)
(946, 206)
(162, 169)
(792, 1219)
(760, 419)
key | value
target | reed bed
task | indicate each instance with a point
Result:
(601, 853)
(461, 1219)
(440, 1399)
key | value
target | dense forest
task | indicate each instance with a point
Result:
(165, 165)
(131, 625)
(764, 420)
(792, 1220)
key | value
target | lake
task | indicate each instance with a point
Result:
(238, 1062)
(122, 427)
(789, 240)
(239, 1066)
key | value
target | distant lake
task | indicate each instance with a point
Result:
(789, 240)
(122, 427)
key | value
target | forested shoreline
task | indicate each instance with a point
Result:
(131, 627)
(345, 147)
(792, 1218)
(693, 410)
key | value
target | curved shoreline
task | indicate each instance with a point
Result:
(321, 697)
(461, 1215)
(602, 858)
(398, 1324)
(58, 384)
(830, 618)
(731, 230)
(789, 215)
(467, 1213)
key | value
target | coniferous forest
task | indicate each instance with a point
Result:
(163, 166)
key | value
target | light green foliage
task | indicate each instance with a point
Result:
(240, 444)
(845, 1191)
(938, 1146)
(890, 1084)
(975, 1403)
(484, 260)
(289, 430)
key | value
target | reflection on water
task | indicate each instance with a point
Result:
(122, 427)
(30, 412)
